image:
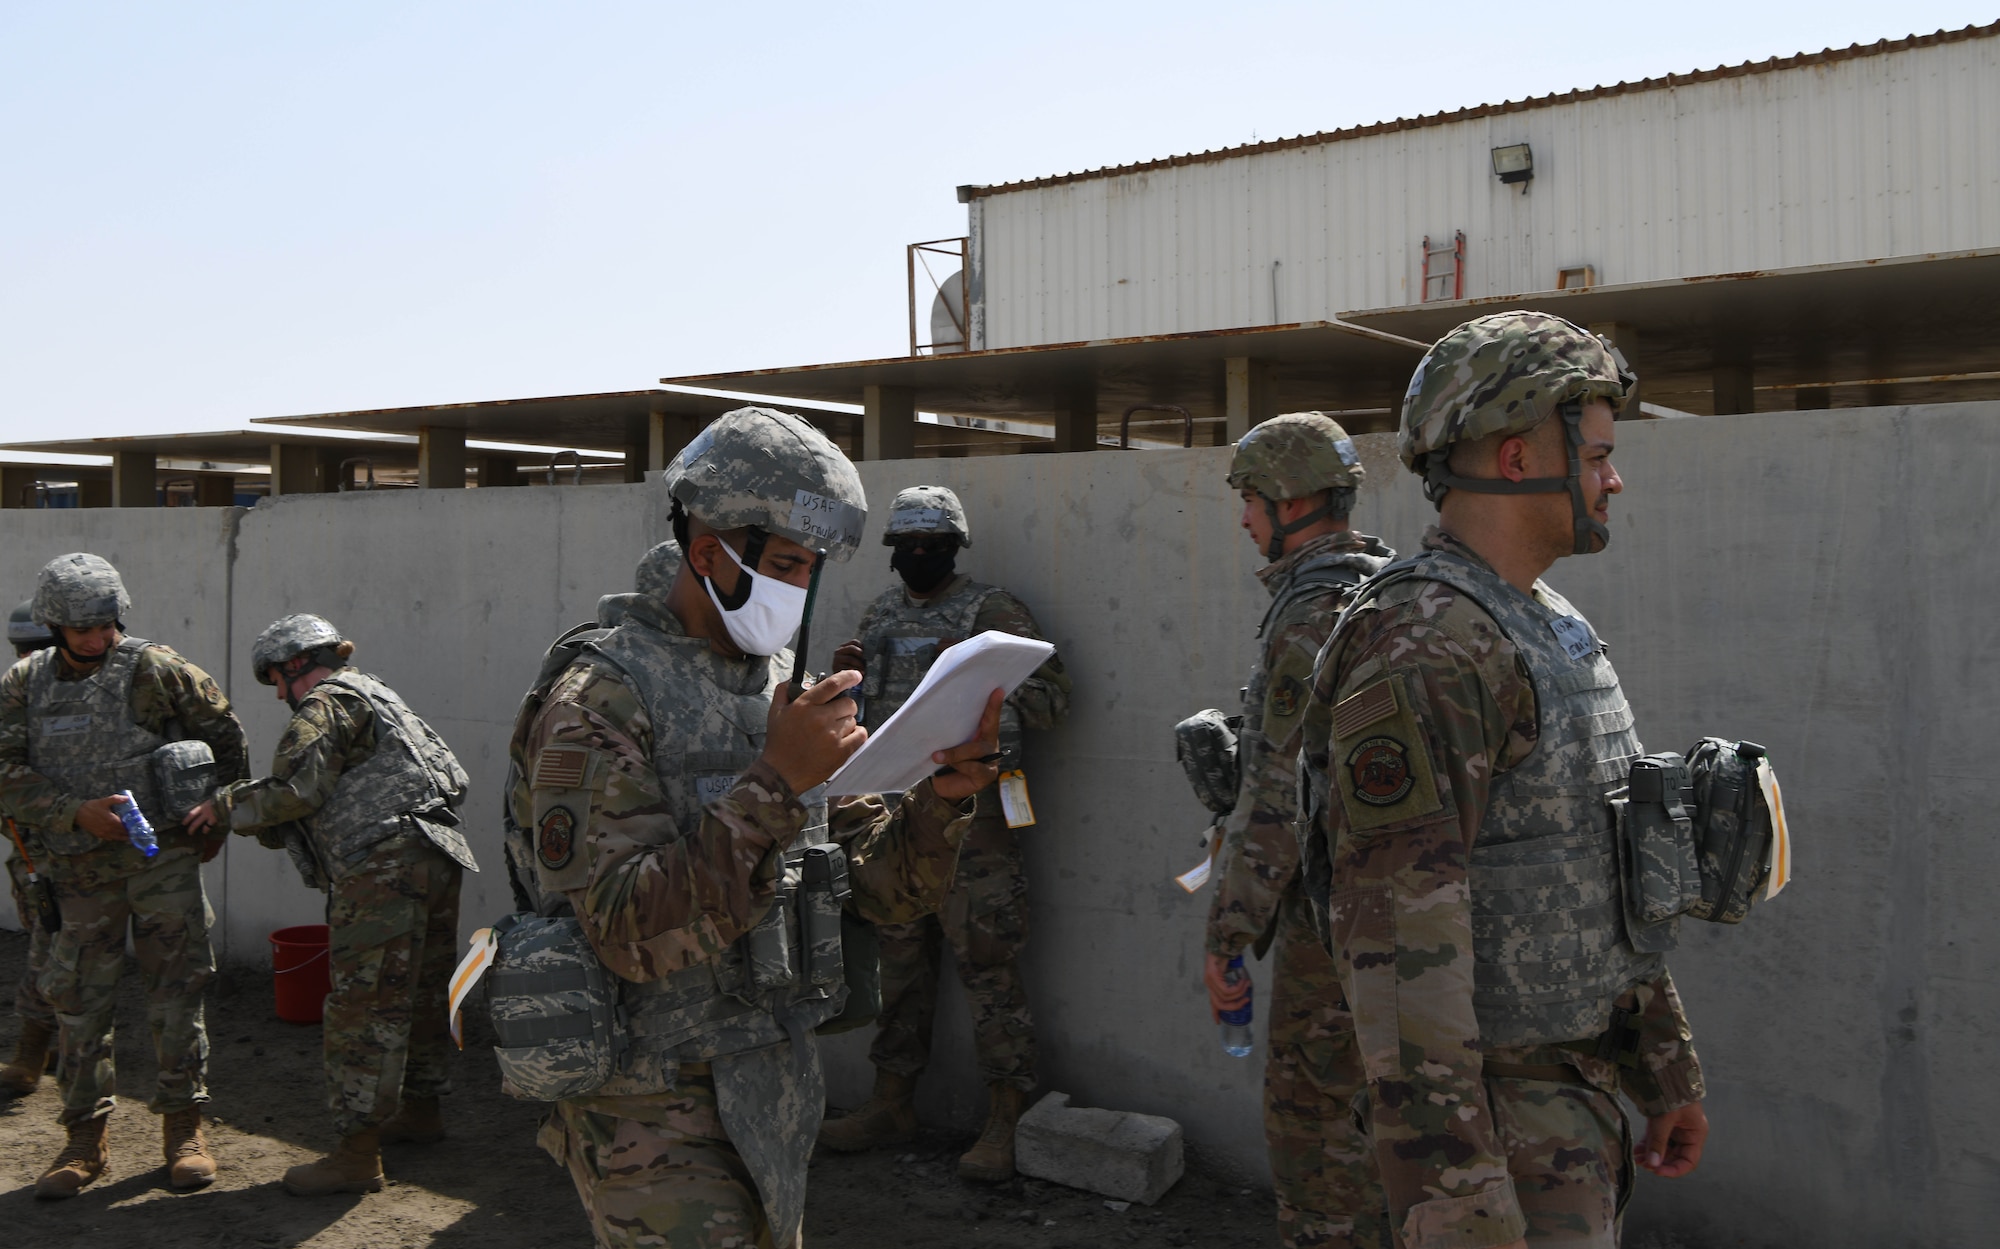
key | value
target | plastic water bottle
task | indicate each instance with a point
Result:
(1237, 1040)
(136, 827)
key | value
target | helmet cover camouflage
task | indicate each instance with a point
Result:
(657, 570)
(24, 630)
(289, 637)
(80, 591)
(927, 509)
(1294, 456)
(1504, 373)
(762, 467)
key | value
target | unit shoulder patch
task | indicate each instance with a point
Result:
(1381, 761)
(555, 839)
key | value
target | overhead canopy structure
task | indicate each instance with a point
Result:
(1221, 382)
(1918, 329)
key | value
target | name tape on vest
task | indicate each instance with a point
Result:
(1574, 635)
(59, 726)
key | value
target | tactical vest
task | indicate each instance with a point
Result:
(1549, 941)
(81, 735)
(411, 783)
(904, 641)
(708, 716)
(1334, 572)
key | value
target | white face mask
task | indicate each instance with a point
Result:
(768, 618)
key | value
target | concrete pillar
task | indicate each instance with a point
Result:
(214, 490)
(440, 458)
(635, 460)
(133, 476)
(1625, 337)
(1812, 398)
(1076, 420)
(294, 469)
(1733, 393)
(666, 434)
(498, 470)
(888, 423)
(1247, 399)
(17, 485)
(93, 492)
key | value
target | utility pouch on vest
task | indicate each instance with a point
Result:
(1205, 743)
(768, 948)
(554, 1009)
(1656, 840)
(185, 775)
(826, 888)
(861, 967)
(1732, 827)
(298, 845)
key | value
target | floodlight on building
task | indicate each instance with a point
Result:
(1514, 163)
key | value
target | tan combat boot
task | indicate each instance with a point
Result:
(31, 1055)
(189, 1164)
(991, 1158)
(888, 1117)
(81, 1160)
(417, 1122)
(355, 1166)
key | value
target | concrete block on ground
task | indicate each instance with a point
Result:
(1118, 1153)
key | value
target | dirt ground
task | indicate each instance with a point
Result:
(487, 1185)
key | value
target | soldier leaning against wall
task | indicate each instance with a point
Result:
(1297, 475)
(364, 796)
(95, 715)
(34, 1045)
(985, 916)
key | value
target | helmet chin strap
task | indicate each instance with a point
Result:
(1275, 548)
(1589, 534)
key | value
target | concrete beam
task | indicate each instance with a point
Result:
(214, 490)
(498, 470)
(888, 423)
(1733, 392)
(440, 458)
(1247, 401)
(133, 475)
(1076, 420)
(1625, 337)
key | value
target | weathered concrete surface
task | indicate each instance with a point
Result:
(1813, 581)
(1118, 1153)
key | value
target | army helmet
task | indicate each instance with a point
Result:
(24, 631)
(770, 470)
(1504, 373)
(1294, 456)
(927, 509)
(657, 569)
(289, 637)
(79, 591)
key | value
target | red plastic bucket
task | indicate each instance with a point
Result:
(299, 974)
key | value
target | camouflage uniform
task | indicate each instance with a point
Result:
(1324, 1177)
(1458, 847)
(392, 905)
(30, 1004)
(985, 916)
(102, 887)
(656, 820)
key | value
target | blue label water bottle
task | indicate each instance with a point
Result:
(1237, 1040)
(136, 827)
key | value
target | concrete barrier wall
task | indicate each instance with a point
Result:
(1812, 581)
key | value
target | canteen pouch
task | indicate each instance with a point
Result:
(826, 888)
(768, 948)
(861, 967)
(554, 1009)
(1658, 871)
(184, 774)
(1732, 827)
(1205, 743)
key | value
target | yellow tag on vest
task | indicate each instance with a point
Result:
(1014, 800)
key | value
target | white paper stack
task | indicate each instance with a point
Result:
(942, 713)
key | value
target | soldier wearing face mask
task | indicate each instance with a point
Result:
(985, 917)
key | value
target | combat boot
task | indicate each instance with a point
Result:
(417, 1122)
(888, 1117)
(81, 1160)
(31, 1056)
(991, 1157)
(355, 1166)
(189, 1164)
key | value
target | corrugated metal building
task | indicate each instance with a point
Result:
(1848, 155)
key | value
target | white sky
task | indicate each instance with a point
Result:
(210, 212)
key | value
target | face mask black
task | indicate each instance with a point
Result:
(924, 569)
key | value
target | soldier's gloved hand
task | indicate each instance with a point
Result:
(199, 819)
(99, 818)
(1222, 995)
(847, 657)
(975, 764)
(807, 739)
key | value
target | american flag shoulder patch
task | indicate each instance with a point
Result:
(1364, 707)
(561, 767)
